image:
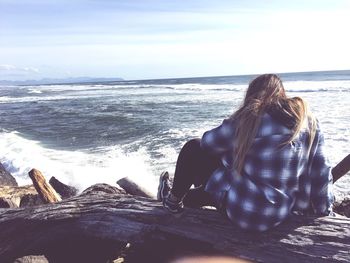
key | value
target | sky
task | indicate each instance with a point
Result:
(143, 39)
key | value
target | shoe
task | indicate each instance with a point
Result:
(164, 186)
(173, 206)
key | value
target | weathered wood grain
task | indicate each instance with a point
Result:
(114, 219)
(134, 189)
(44, 189)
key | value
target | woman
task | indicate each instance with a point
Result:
(259, 166)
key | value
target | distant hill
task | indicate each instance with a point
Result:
(75, 80)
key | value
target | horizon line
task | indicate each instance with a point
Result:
(153, 79)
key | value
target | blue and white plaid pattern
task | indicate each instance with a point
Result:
(277, 179)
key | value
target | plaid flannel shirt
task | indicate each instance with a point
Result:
(276, 180)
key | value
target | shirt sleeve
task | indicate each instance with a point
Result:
(321, 178)
(220, 139)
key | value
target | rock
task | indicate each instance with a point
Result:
(31, 259)
(7, 203)
(343, 207)
(6, 178)
(65, 191)
(30, 200)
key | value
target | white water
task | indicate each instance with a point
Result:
(77, 168)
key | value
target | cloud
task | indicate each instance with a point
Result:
(12, 72)
(5, 68)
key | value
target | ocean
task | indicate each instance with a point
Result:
(100, 132)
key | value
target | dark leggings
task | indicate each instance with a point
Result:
(194, 167)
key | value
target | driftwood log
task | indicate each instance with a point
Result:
(341, 168)
(134, 189)
(31, 259)
(19, 196)
(96, 225)
(44, 189)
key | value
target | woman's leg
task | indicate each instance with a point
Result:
(197, 198)
(194, 166)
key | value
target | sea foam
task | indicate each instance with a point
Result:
(77, 168)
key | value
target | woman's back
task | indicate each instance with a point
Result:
(277, 178)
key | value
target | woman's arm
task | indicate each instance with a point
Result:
(322, 181)
(219, 139)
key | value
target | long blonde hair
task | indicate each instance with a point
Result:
(263, 92)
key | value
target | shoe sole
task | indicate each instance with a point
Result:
(173, 211)
(162, 178)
